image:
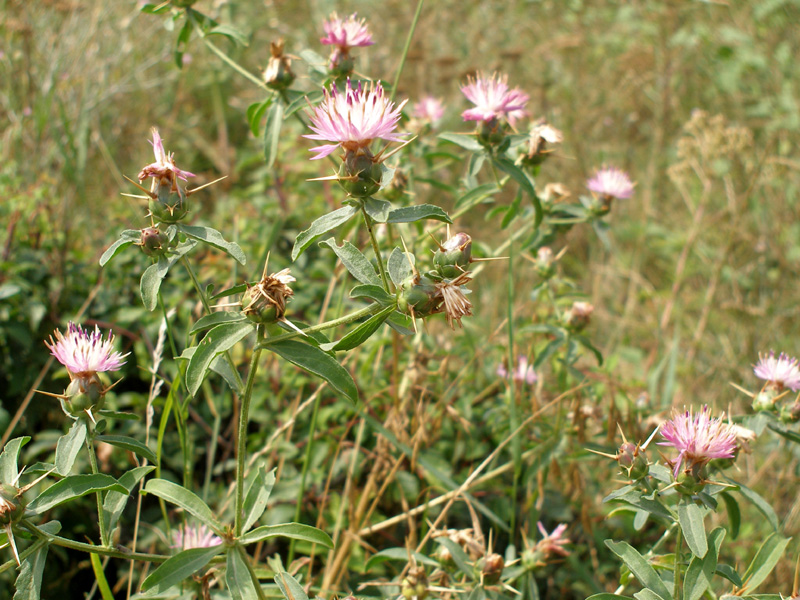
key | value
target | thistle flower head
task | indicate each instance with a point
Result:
(265, 302)
(523, 373)
(698, 438)
(428, 110)
(454, 300)
(611, 182)
(493, 99)
(354, 118)
(542, 134)
(163, 171)
(194, 536)
(85, 352)
(780, 372)
(346, 33)
(553, 543)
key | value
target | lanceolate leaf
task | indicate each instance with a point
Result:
(321, 364)
(410, 214)
(296, 531)
(130, 444)
(114, 502)
(525, 182)
(177, 568)
(29, 581)
(8, 460)
(399, 267)
(398, 554)
(378, 209)
(257, 496)
(217, 318)
(237, 576)
(254, 114)
(373, 292)
(188, 501)
(690, 517)
(272, 132)
(701, 570)
(127, 237)
(354, 261)
(640, 568)
(220, 339)
(212, 237)
(73, 487)
(360, 334)
(765, 560)
(322, 225)
(69, 446)
(468, 142)
(289, 586)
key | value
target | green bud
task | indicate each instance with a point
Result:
(12, 504)
(491, 133)
(632, 461)
(258, 309)
(341, 64)
(765, 400)
(544, 262)
(790, 413)
(84, 394)
(360, 175)
(454, 256)
(417, 294)
(153, 241)
(169, 206)
(690, 482)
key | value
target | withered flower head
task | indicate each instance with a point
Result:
(455, 301)
(265, 302)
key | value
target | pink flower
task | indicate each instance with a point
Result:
(552, 543)
(163, 171)
(353, 119)
(611, 182)
(191, 536)
(346, 33)
(85, 353)
(523, 372)
(493, 99)
(698, 439)
(782, 371)
(428, 110)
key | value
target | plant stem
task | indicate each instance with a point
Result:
(233, 64)
(246, 560)
(513, 417)
(376, 249)
(306, 462)
(406, 48)
(241, 438)
(676, 573)
(93, 462)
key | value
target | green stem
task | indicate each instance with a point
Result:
(241, 440)
(233, 64)
(375, 248)
(306, 462)
(514, 418)
(93, 462)
(406, 48)
(246, 560)
(676, 574)
(367, 311)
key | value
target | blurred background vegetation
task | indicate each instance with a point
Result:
(698, 101)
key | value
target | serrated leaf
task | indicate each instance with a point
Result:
(130, 444)
(378, 209)
(690, 517)
(69, 446)
(177, 568)
(214, 319)
(255, 112)
(354, 261)
(765, 560)
(373, 292)
(8, 459)
(296, 531)
(322, 225)
(114, 502)
(255, 501)
(361, 333)
(237, 576)
(319, 363)
(72, 487)
(218, 340)
(399, 554)
(187, 500)
(420, 212)
(466, 141)
(214, 238)
(640, 568)
(127, 237)
(399, 266)
(230, 32)
(272, 132)
(289, 586)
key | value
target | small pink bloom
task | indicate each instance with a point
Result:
(346, 33)
(493, 99)
(553, 543)
(84, 352)
(428, 110)
(782, 371)
(523, 372)
(611, 182)
(698, 439)
(164, 168)
(353, 119)
(191, 536)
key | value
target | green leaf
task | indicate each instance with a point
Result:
(28, 584)
(214, 238)
(460, 557)
(646, 594)
(690, 517)
(151, 281)
(525, 182)
(69, 446)
(289, 586)
(295, 531)
(237, 576)
(354, 261)
(402, 324)
(130, 444)
(322, 225)
(700, 571)
(608, 596)
(100, 577)
(71, 487)
(640, 568)
(302, 101)
(127, 237)
(410, 214)
(255, 501)
(730, 574)
(8, 460)
(734, 514)
(360, 334)
(114, 502)
(757, 501)
(399, 554)
(477, 195)
(373, 292)
(272, 133)
(177, 568)
(465, 140)
(114, 414)
(220, 339)
(230, 32)
(319, 363)
(221, 367)
(217, 318)
(765, 560)
(255, 112)
(378, 209)
(236, 289)
(188, 501)
(399, 266)
(586, 343)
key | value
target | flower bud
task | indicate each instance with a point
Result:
(491, 132)
(170, 205)
(341, 63)
(790, 413)
(12, 504)
(690, 481)
(278, 74)
(765, 400)
(632, 461)
(544, 262)
(82, 394)
(153, 242)
(360, 175)
(418, 296)
(415, 585)
(578, 316)
(492, 568)
(453, 257)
